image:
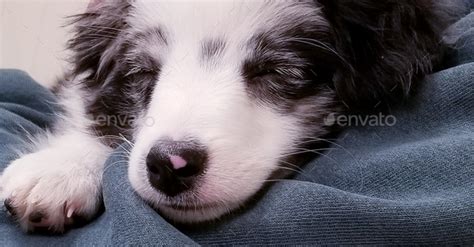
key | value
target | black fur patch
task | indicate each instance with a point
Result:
(121, 77)
(389, 46)
(95, 32)
(372, 53)
(288, 66)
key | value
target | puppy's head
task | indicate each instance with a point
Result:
(224, 94)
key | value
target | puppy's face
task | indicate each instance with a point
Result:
(235, 82)
(225, 94)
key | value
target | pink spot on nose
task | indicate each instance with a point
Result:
(178, 162)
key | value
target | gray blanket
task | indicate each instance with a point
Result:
(410, 183)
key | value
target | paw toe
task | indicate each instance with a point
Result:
(8, 206)
(36, 217)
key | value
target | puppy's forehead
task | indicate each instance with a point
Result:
(223, 19)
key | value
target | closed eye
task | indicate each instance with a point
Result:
(265, 72)
(288, 72)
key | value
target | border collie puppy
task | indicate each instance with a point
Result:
(214, 98)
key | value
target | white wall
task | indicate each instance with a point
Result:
(32, 37)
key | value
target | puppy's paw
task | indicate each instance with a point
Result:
(50, 190)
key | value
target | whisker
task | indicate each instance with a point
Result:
(303, 151)
(292, 165)
(108, 166)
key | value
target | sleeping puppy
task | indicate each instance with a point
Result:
(213, 98)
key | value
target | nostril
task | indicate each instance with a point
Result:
(153, 169)
(152, 163)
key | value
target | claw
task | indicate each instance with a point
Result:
(69, 213)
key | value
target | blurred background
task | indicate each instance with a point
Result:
(33, 36)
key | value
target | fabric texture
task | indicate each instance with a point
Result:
(411, 183)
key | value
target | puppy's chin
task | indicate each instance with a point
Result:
(184, 209)
(196, 213)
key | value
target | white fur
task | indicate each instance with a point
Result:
(63, 174)
(245, 139)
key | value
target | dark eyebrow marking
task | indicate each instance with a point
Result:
(211, 48)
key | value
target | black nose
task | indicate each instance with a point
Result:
(173, 166)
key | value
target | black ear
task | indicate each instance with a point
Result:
(387, 45)
(95, 37)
